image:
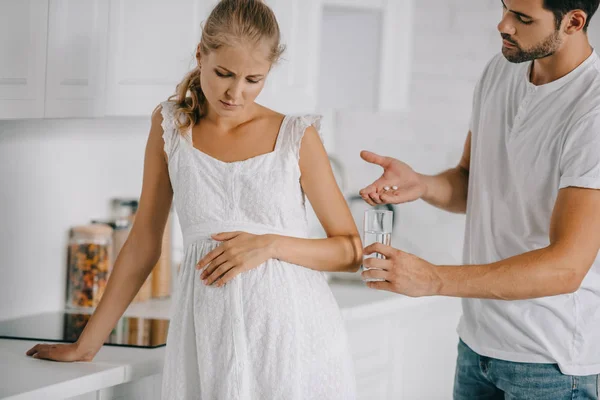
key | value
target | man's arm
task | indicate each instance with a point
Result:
(449, 189)
(556, 269)
(400, 183)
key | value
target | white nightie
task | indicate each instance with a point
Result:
(273, 333)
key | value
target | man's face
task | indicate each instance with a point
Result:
(528, 31)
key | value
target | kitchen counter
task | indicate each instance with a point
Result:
(25, 378)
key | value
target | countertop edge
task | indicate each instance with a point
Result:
(130, 365)
(75, 387)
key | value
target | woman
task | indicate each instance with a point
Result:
(253, 317)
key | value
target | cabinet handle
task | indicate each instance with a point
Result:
(75, 82)
(13, 81)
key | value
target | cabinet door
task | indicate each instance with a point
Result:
(23, 34)
(152, 45)
(77, 47)
(369, 341)
(147, 388)
(396, 55)
(425, 350)
(87, 396)
(292, 84)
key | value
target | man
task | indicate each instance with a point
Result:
(528, 181)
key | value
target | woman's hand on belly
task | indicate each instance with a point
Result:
(239, 252)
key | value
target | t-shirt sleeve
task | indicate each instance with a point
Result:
(478, 92)
(475, 108)
(580, 158)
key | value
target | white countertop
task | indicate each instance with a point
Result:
(25, 378)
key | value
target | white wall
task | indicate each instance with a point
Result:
(58, 173)
(55, 174)
(453, 40)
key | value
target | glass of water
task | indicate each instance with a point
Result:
(377, 228)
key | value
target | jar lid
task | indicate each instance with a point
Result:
(93, 230)
(110, 223)
(124, 208)
(115, 224)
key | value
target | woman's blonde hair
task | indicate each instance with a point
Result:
(230, 22)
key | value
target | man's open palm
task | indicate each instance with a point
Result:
(398, 184)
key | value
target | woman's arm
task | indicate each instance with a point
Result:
(135, 261)
(342, 249)
(556, 269)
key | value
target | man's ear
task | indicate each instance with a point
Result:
(576, 20)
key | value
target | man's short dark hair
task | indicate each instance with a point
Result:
(561, 7)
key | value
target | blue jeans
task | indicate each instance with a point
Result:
(479, 377)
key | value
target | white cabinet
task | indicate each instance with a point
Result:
(370, 348)
(380, 58)
(406, 354)
(152, 45)
(396, 55)
(73, 58)
(77, 49)
(147, 388)
(292, 84)
(23, 32)
(425, 350)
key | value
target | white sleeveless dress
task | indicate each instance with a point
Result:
(273, 333)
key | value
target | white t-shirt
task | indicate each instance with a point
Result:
(528, 142)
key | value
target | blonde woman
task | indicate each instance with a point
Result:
(253, 317)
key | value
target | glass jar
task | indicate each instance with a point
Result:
(121, 229)
(89, 265)
(123, 212)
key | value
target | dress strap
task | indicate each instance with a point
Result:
(281, 136)
(295, 130)
(170, 132)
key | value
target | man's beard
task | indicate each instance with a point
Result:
(546, 48)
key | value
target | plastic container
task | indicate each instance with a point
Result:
(123, 212)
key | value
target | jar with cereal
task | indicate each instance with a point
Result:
(89, 264)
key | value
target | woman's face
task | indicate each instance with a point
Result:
(233, 76)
